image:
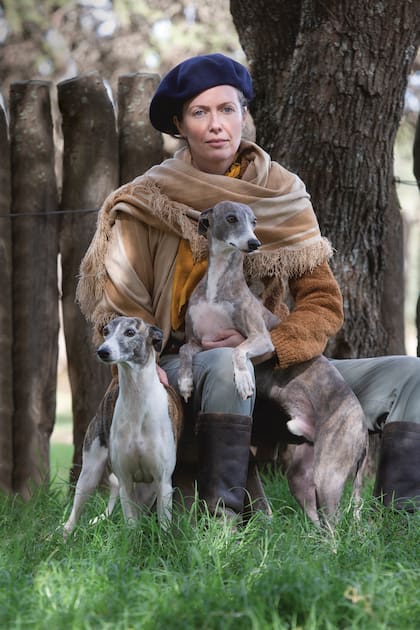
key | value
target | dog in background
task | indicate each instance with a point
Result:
(140, 445)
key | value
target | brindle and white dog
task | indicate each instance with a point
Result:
(142, 437)
(312, 396)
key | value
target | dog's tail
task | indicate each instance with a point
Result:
(176, 411)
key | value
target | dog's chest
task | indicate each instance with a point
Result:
(209, 317)
(141, 440)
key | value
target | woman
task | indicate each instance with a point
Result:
(147, 257)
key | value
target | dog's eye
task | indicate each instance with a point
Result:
(130, 332)
(105, 331)
(254, 222)
(231, 218)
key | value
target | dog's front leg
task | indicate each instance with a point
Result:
(185, 376)
(164, 492)
(128, 500)
(114, 490)
(257, 344)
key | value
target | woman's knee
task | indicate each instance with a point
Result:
(216, 381)
(217, 365)
(406, 406)
(410, 368)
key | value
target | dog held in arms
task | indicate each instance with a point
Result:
(318, 405)
(140, 445)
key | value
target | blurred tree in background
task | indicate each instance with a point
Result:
(57, 39)
(330, 78)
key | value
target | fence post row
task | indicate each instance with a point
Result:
(6, 387)
(97, 157)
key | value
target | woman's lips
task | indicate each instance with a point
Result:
(216, 143)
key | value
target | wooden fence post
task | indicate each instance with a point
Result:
(6, 379)
(90, 173)
(35, 291)
(141, 146)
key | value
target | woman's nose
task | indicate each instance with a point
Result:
(215, 121)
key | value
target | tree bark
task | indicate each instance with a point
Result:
(35, 291)
(6, 377)
(141, 146)
(90, 173)
(416, 153)
(333, 120)
(267, 31)
(416, 171)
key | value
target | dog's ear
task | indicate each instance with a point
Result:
(204, 221)
(156, 337)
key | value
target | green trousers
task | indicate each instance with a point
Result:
(388, 388)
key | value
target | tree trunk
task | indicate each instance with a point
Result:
(416, 171)
(35, 291)
(416, 153)
(6, 379)
(141, 146)
(336, 108)
(90, 173)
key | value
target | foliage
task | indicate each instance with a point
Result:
(285, 574)
(63, 38)
(24, 12)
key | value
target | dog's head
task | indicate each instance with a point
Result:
(129, 340)
(232, 224)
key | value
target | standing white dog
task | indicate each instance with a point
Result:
(142, 438)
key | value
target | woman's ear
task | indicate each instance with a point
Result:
(244, 116)
(178, 125)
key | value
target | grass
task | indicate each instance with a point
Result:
(61, 447)
(285, 574)
(200, 575)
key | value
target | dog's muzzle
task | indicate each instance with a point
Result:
(104, 354)
(253, 244)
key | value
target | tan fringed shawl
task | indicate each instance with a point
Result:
(128, 268)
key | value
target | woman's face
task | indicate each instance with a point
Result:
(212, 124)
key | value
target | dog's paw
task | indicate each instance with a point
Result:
(244, 383)
(185, 385)
(97, 519)
(66, 530)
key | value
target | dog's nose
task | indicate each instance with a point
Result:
(253, 244)
(103, 353)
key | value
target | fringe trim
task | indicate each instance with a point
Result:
(178, 217)
(287, 262)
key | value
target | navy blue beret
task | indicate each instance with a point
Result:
(188, 79)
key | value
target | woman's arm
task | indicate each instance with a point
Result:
(316, 316)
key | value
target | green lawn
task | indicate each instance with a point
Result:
(60, 462)
(281, 575)
(61, 447)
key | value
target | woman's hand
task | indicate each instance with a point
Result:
(163, 377)
(228, 338)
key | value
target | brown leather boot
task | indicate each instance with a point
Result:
(223, 452)
(398, 476)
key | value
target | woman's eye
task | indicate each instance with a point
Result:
(197, 113)
(228, 109)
